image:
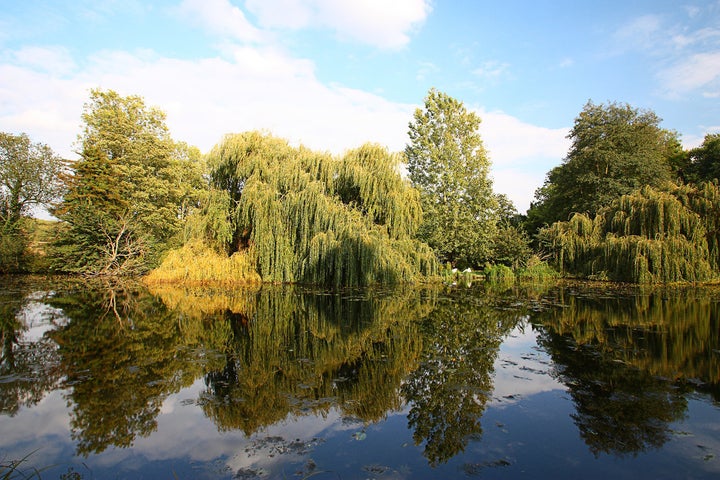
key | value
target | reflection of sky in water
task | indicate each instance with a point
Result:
(528, 431)
(521, 368)
(38, 318)
(45, 426)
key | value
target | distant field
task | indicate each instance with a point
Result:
(42, 233)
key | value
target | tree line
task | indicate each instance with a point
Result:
(255, 208)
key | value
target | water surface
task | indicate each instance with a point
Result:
(103, 380)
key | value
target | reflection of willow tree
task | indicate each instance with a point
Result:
(620, 355)
(299, 352)
(120, 354)
(28, 368)
(450, 389)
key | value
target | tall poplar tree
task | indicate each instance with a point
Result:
(447, 162)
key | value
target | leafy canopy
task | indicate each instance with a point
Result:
(447, 162)
(615, 149)
(303, 216)
(130, 191)
(29, 176)
(703, 163)
(648, 236)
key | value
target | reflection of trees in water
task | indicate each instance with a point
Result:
(295, 352)
(29, 368)
(453, 383)
(272, 352)
(120, 353)
(627, 361)
(307, 352)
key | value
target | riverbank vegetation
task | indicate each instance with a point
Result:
(627, 204)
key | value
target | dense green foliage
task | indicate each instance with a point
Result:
(648, 236)
(703, 162)
(615, 149)
(304, 216)
(510, 243)
(257, 209)
(447, 162)
(29, 178)
(129, 193)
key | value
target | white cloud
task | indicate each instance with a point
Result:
(696, 72)
(221, 18)
(379, 23)
(640, 33)
(566, 62)
(291, 14)
(54, 59)
(692, 11)
(256, 88)
(514, 142)
(693, 141)
(425, 69)
(251, 88)
(521, 154)
(491, 70)
(686, 57)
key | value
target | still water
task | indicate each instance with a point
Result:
(103, 380)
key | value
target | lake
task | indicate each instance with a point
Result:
(105, 380)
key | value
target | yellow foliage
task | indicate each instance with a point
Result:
(197, 264)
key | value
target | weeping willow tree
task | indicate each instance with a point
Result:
(303, 216)
(648, 236)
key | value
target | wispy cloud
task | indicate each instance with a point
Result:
(425, 69)
(566, 62)
(53, 59)
(491, 70)
(221, 18)
(640, 33)
(518, 168)
(249, 88)
(684, 51)
(379, 23)
(699, 72)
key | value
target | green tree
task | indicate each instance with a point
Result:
(704, 161)
(29, 178)
(121, 353)
(615, 149)
(447, 162)
(449, 390)
(510, 244)
(302, 216)
(130, 191)
(630, 361)
(648, 236)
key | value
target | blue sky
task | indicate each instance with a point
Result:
(333, 74)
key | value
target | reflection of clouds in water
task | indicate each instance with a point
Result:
(185, 432)
(284, 441)
(47, 420)
(701, 447)
(521, 368)
(38, 317)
